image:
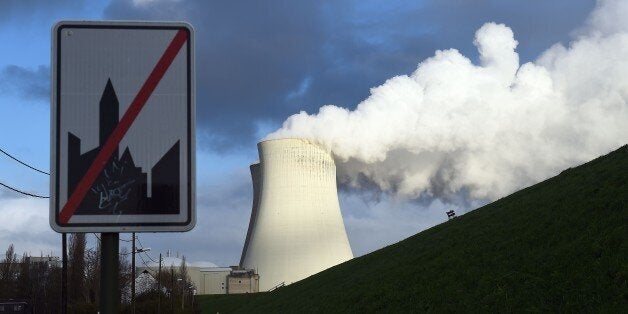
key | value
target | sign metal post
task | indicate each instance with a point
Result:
(109, 272)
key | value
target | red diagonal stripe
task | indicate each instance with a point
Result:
(123, 126)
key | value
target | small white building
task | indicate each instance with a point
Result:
(213, 280)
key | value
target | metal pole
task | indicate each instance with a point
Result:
(109, 272)
(64, 273)
(171, 289)
(159, 287)
(133, 276)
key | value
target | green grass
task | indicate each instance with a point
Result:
(559, 246)
(222, 303)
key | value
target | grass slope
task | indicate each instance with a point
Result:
(560, 245)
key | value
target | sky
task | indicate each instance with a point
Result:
(428, 105)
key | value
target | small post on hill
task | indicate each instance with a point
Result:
(109, 272)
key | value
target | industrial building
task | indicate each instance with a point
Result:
(50, 261)
(296, 228)
(206, 277)
(242, 281)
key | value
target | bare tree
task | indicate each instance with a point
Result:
(185, 285)
(76, 268)
(8, 273)
(25, 285)
(49, 290)
(92, 280)
(38, 283)
(124, 279)
(183, 270)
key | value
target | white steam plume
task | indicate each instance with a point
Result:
(488, 129)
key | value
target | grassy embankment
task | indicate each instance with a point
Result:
(560, 246)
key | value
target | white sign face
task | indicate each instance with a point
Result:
(122, 129)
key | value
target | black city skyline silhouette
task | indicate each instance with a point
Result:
(122, 187)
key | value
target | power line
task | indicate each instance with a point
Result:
(145, 252)
(141, 248)
(138, 241)
(146, 264)
(23, 163)
(143, 261)
(27, 165)
(22, 192)
(154, 261)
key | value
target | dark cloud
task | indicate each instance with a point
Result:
(263, 61)
(249, 58)
(537, 24)
(31, 84)
(25, 11)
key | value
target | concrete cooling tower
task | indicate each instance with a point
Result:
(296, 229)
(256, 175)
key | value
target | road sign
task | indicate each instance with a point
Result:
(122, 129)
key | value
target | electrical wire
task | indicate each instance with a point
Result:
(143, 261)
(141, 247)
(138, 241)
(97, 237)
(146, 264)
(154, 261)
(22, 192)
(140, 255)
(23, 163)
(27, 165)
(123, 240)
(145, 252)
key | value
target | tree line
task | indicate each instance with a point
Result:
(37, 281)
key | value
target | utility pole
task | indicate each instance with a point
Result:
(159, 286)
(133, 275)
(109, 272)
(171, 289)
(64, 273)
(180, 284)
(133, 252)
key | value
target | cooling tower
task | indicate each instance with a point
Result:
(296, 228)
(256, 172)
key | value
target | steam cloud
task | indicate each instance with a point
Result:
(484, 130)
